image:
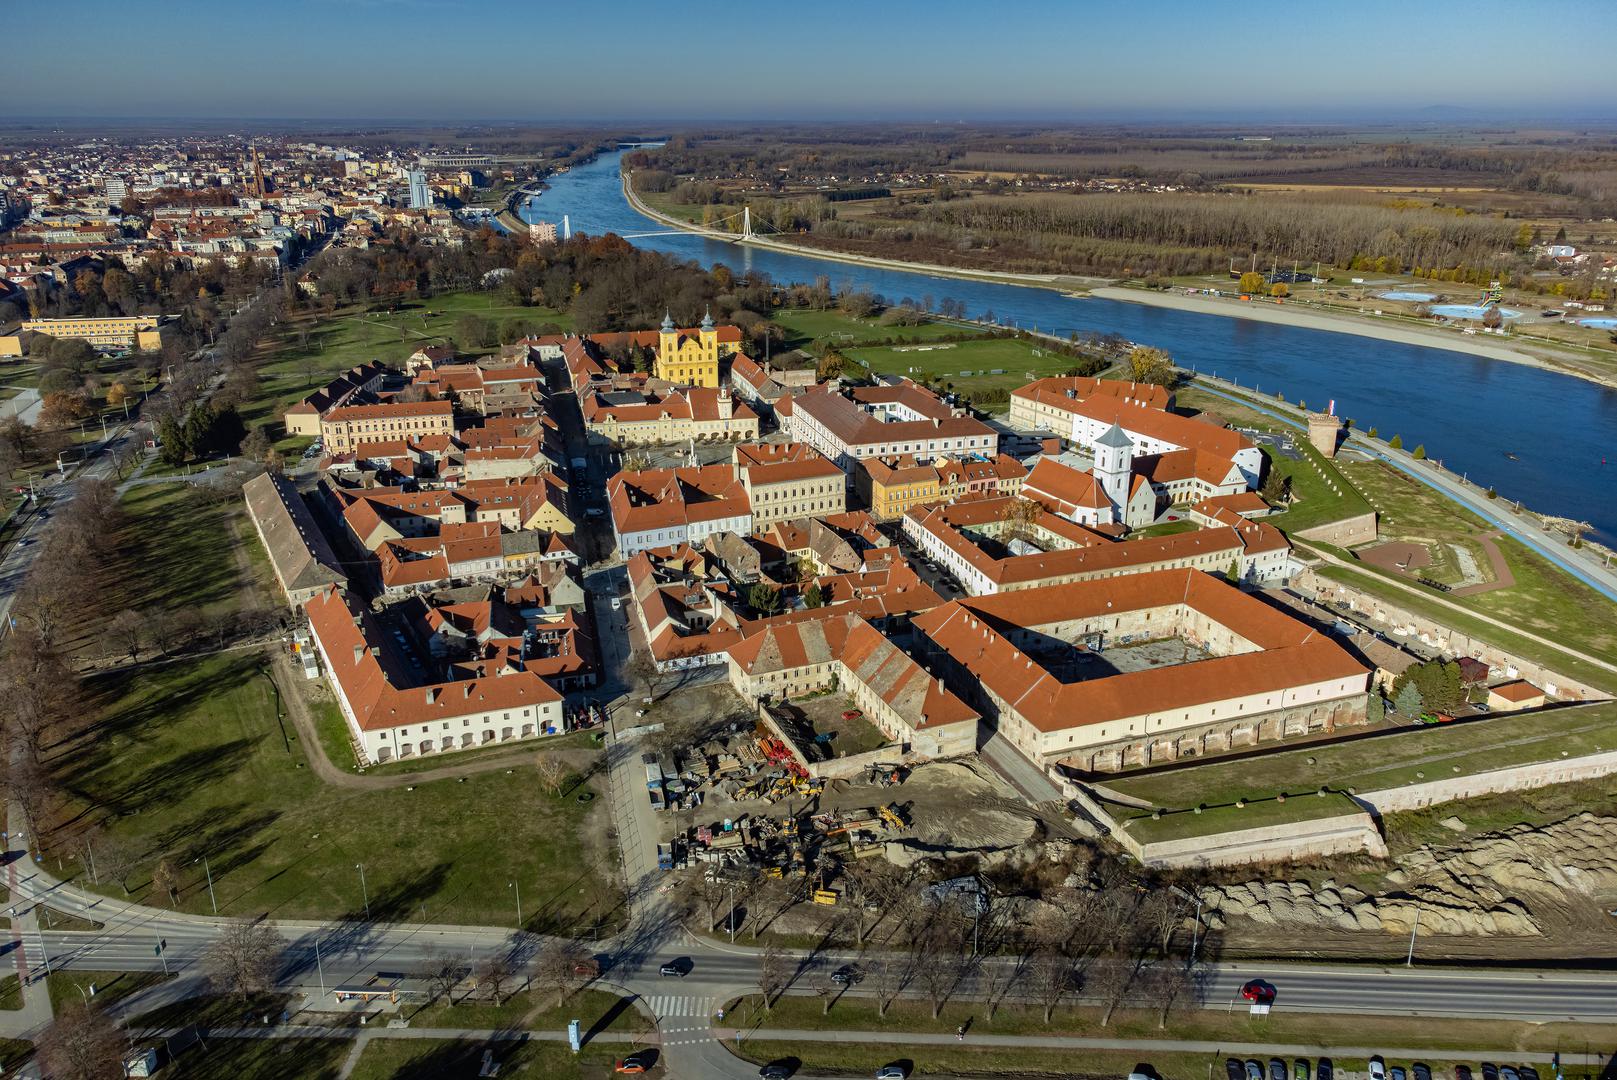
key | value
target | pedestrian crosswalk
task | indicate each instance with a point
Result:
(665, 1006)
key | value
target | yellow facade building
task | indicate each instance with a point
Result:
(126, 332)
(688, 359)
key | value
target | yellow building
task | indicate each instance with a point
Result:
(689, 359)
(142, 332)
(890, 486)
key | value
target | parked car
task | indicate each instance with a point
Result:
(1233, 1069)
(1254, 1071)
(1507, 1073)
(1490, 1071)
(844, 976)
(1397, 1073)
(1277, 1069)
(852, 714)
(1378, 1068)
(1528, 1072)
(1421, 1071)
(1324, 1070)
(774, 1072)
(890, 1072)
(1462, 1072)
(634, 1063)
(1299, 1071)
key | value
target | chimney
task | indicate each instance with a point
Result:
(359, 653)
(466, 689)
(432, 694)
(940, 686)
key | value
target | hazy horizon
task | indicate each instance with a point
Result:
(417, 62)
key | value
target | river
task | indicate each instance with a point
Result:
(1547, 439)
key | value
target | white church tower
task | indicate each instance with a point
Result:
(1114, 464)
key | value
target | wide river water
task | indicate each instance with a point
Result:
(1547, 439)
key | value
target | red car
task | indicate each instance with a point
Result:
(630, 1064)
(1259, 991)
(852, 714)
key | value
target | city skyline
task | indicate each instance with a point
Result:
(372, 59)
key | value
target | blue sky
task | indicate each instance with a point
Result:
(608, 60)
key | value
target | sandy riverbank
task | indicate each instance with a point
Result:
(1291, 315)
(1058, 282)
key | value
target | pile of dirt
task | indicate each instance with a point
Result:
(1485, 886)
(961, 805)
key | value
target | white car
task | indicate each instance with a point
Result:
(1378, 1068)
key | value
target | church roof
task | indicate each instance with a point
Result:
(1116, 438)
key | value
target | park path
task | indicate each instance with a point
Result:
(1502, 577)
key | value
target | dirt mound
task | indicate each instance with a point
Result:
(962, 804)
(1484, 886)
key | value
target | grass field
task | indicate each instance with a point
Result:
(260, 1059)
(851, 1013)
(290, 369)
(1388, 761)
(1017, 361)
(1230, 817)
(418, 1059)
(110, 987)
(535, 1010)
(190, 759)
(804, 326)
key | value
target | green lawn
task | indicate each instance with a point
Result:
(189, 759)
(1167, 528)
(536, 1011)
(967, 1059)
(418, 1059)
(859, 1013)
(260, 1059)
(1404, 757)
(804, 326)
(10, 992)
(290, 369)
(1259, 814)
(1017, 360)
(67, 986)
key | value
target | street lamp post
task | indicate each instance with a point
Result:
(1409, 961)
(363, 889)
(206, 869)
(43, 953)
(518, 888)
(1195, 930)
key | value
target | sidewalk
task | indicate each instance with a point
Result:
(35, 1014)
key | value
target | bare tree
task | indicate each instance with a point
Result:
(551, 774)
(1050, 975)
(768, 901)
(942, 945)
(81, 1044)
(443, 974)
(115, 857)
(774, 974)
(166, 880)
(1021, 517)
(33, 788)
(1165, 983)
(244, 958)
(493, 976)
(127, 630)
(871, 885)
(1163, 913)
(564, 965)
(889, 975)
(1110, 980)
(714, 891)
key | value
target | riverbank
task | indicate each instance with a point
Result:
(1292, 315)
(1057, 282)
